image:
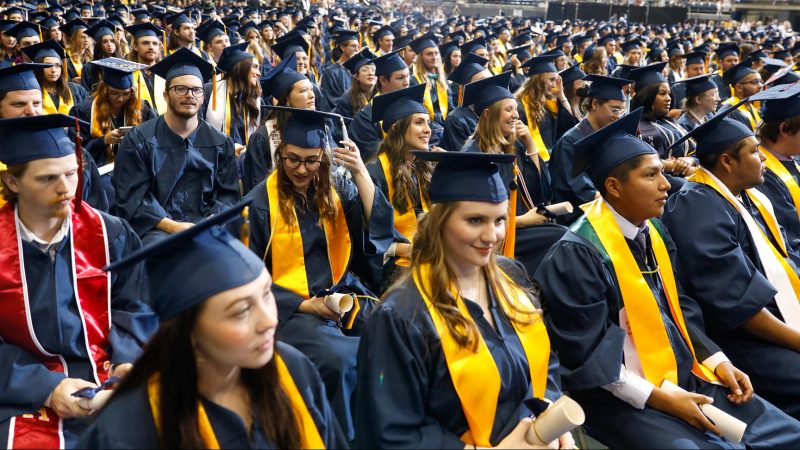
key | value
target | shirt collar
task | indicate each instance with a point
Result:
(28, 236)
(629, 230)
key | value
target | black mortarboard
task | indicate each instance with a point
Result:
(447, 49)
(389, 108)
(716, 134)
(389, 63)
(540, 64)
(24, 29)
(48, 48)
(779, 102)
(232, 55)
(427, 40)
(453, 170)
(19, 77)
(385, 30)
(100, 29)
(630, 45)
(290, 44)
(279, 80)
(737, 72)
(30, 138)
(141, 30)
(606, 88)
(571, 73)
(699, 84)
(471, 64)
(647, 75)
(365, 56)
(183, 62)
(473, 45)
(695, 57)
(73, 26)
(209, 30)
(118, 73)
(343, 36)
(305, 128)
(486, 92)
(727, 49)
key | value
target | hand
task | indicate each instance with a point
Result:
(350, 157)
(437, 149)
(402, 250)
(516, 439)
(674, 113)
(515, 64)
(113, 137)
(180, 226)
(121, 370)
(680, 166)
(530, 219)
(737, 381)
(76, 80)
(566, 441)
(524, 135)
(683, 405)
(317, 307)
(559, 90)
(238, 149)
(64, 404)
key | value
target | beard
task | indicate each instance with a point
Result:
(175, 105)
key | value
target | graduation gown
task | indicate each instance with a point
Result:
(160, 175)
(332, 352)
(723, 273)
(335, 83)
(458, 127)
(90, 76)
(79, 94)
(677, 94)
(723, 87)
(401, 363)
(581, 300)
(364, 133)
(689, 123)
(660, 134)
(567, 188)
(553, 125)
(25, 382)
(127, 420)
(257, 163)
(785, 212)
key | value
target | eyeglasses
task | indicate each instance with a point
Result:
(183, 91)
(293, 162)
(754, 82)
(617, 110)
(119, 95)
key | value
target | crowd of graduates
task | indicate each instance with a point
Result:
(358, 226)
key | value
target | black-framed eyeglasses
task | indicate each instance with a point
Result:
(183, 91)
(293, 162)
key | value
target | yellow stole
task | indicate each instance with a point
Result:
(752, 114)
(228, 120)
(2, 168)
(405, 223)
(533, 128)
(510, 242)
(474, 374)
(158, 103)
(49, 107)
(97, 132)
(288, 261)
(646, 326)
(427, 101)
(309, 435)
(785, 176)
(780, 253)
(77, 64)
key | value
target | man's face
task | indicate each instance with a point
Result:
(749, 85)
(21, 103)
(186, 33)
(47, 186)
(694, 70)
(148, 48)
(729, 61)
(28, 41)
(386, 43)
(399, 79)
(184, 106)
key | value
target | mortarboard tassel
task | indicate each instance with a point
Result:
(79, 156)
(214, 89)
(245, 233)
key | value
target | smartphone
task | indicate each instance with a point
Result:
(124, 130)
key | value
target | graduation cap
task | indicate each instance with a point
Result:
(453, 169)
(24, 29)
(117, 72)
(605, 149)
(647, 75)
(386, 65)
(208, 30)
(540, 64)
(606, 88)
(140, 13)
(447, 49)
(14, 10)
(631, 45)
(73, 27)
(183, 62)
(486, 92)
(737, 72)
(6, 25)
(387, 109)
(571, 73)
(48, 48)
(699, 84)
(100, 29)
(473, 45)
(186, 268)
(427, 40)
(20, 77)
(141, 30)
(364, 57)
(343, 36)
(606, 39)
(290, 44)
(178, 19)
(717, 133)
(305, 128)
(782, 54)
(385, 30)
(727, 49)
(232, 55)
(557, 52)
(779, 102)
(695, 57)
(470, 65)
(279, 80)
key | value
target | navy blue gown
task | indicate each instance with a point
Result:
(127, 420)
(365, 134)
(568, 188)
(160, 175)
(335, 83)
(25, 382)
(458, 127)
(406, 397)
(723, 274)
(581, 300)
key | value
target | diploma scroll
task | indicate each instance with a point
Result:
(732, 428)
(561, 417)
(559, 209)
(339, 303)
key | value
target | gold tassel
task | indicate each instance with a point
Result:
(214, 89)
(245, 232)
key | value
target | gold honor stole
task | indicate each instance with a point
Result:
(49, 107)
(780, 253)
(288, 261)
(533, 128)
(2, 168)
(228, 118)
(648, 331)
(309, 435)
(474, 374)
(77, 64)
(785, 176)
(158, 103)
(405, 223)
(427, 101)
(510, 243)
(752, 114)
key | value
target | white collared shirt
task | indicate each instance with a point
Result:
(46, 247)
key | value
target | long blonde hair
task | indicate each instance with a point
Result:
(488, 133)
(429, 248)
(422, 74)
(395, 148)
(533, 94)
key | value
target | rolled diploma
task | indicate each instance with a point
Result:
(559, 209)
(562, 416)
(339, 303)
(731, 427)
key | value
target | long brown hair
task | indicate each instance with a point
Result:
(74, 48)
(170, 355)
(532, 93)
(595, 64)
(132, 111)
(245, 96)
(358, 96)
(429, 248)
(98, 48)
(395, 148)
(62, 87)
(488, 133)
(322, 182)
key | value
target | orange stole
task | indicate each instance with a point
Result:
(405, 223)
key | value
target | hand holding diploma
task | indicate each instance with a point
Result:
(728, 426)
(556, 422)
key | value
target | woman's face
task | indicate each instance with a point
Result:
(267, 34)
(455, 58)
(118, 97)
(418, 133)
(8, 40)
(301, 165)
(52, 74)
(236, 328)
(108, 45)
(255, 72)
(302, 62)
(366, 76)
(708, 100)
(472, 232)
(83, 40)
(577, 84)
(55, 34)
(302, 95)
(608, 112)
(662, 102)
(508, 116)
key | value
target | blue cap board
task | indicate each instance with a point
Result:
(360, 59)
(279, 80)
(606, 88)
(717, 133)
(141, 30)
(647, 75)
(484, 93)
(117, 72)
(540, 64)
(387, 109)
(386, 65)
(48, 48)
(471, 65)
(20, 77)
(779, 102)
(306, 128)
(30, 138)
(231, 55)
(290, 44)
(466, 176)
(697, 85)
(183, 62)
